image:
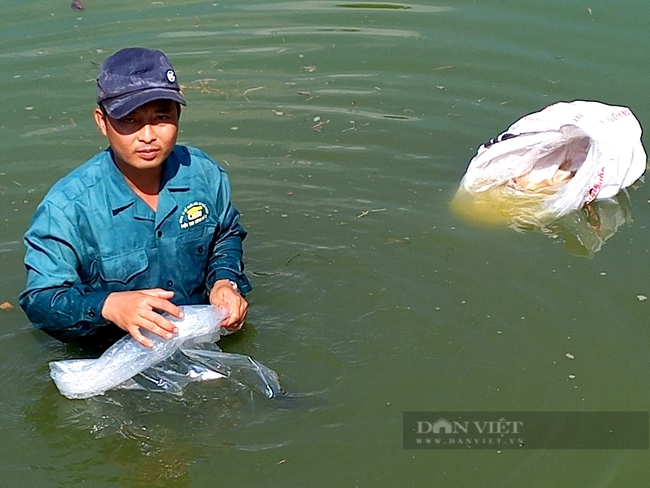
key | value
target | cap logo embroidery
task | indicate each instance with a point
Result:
(171, 76)
(193, 214)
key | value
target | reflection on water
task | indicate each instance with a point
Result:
(152, 439)
(584, 231)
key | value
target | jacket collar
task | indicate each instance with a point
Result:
(120, 194)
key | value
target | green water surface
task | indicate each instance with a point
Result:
(345, 128)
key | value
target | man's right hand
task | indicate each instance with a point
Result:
(133, 310)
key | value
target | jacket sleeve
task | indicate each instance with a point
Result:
(225, 260)
(55, 299)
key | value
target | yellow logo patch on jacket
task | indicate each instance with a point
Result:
(193, 214)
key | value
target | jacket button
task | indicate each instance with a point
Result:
(170, 283)
(160, 233)
(200, 249)
(91, 314)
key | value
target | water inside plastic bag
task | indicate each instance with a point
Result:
(191, 355)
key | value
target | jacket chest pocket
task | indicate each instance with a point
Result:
(122, 269)
(193, 249)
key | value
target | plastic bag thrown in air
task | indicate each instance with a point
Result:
(171, 363)
(552, 162)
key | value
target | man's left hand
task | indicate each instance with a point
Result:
(225, 297)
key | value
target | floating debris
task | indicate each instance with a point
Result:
(273, 273)
(572, 377)
(569, 355)
(366, 212)
(252, 90)
(6, 306)
(353, 126)
(317, 127)
(77, 5)
(642, 298)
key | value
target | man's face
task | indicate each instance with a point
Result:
(144, 138)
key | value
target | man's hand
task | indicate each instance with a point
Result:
(133, 310)
(225, 297)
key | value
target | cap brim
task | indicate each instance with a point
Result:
(122, 106)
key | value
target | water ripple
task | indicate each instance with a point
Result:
(331, 7)
(300, 30)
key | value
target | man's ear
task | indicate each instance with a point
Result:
(100, 120)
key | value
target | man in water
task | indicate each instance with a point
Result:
(140, 228)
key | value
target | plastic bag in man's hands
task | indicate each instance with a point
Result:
(84, 378)
(205, 362)
(552, 162)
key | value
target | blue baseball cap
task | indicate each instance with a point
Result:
(134, 76)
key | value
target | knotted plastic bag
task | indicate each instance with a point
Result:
(552, 162)
(169, 365)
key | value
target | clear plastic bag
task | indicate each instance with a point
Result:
(169, 365)
(204, 362)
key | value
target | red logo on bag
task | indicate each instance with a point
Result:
(595, 190)
(616, 115)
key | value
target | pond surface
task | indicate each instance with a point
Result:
(345, 128)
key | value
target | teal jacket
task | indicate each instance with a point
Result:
(92, 235)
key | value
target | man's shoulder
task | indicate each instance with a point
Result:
(195, 155)
(76, 184)
(198, 162)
